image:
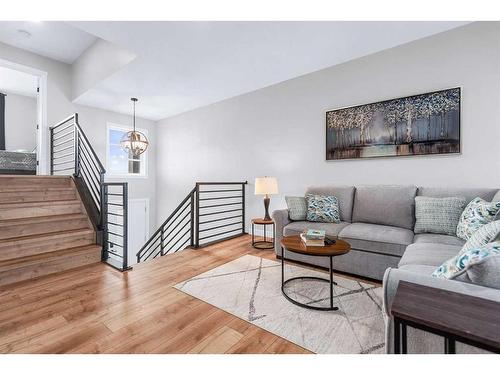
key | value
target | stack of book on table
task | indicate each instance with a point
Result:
(313, 237)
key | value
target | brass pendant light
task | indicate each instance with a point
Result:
(134, 141)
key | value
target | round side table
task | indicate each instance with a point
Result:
(265, 244)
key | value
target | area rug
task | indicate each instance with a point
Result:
(250, 288)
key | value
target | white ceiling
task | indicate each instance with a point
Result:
(16, 82)
(185, 65)
(56, 40)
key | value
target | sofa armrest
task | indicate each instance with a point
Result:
(421, 341)
(393, 276)
(281, 220)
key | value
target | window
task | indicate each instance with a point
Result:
(118, 162)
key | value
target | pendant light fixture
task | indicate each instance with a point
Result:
(134, 141)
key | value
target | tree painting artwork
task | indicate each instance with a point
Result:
(415, 125)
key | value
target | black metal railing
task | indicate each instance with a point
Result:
(210, 213)
(115, 220)
(71, 153)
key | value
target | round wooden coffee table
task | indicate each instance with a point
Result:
(295, 245)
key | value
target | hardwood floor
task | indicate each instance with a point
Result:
(96, 309)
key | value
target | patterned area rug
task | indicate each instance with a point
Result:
(250, 288)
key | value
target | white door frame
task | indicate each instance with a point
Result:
(146, 201)
(42, 140)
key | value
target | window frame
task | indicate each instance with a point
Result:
(143, 161)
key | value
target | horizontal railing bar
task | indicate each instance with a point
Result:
(115, 204)
(89, 160)
(154, 239)
(63, 162)
(116, 225)
(115, 254)
(115, 195)
(230, 197)
(183, 246)
(93, 188)
(59, 131)
(113, 214)
(223, 183)
(62, 156)
(178, 223)
(63, 149)
(176, 242)
(167, 220)
(219, 234)
(219, 191)
(84, 137)
(152, 252)
(221, 212)
(61, 136)
(222, 239)
(184, 226)
(220, 226)
(115, 234)
(174, 220)
(90, 176)
(115, 244)
(221, 219)
(221, 205)
(62, 143)
(115, 183)
(72, 117)
(63, 169)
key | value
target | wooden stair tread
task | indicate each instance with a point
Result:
(38, 204)
(47, 257)
(40, 219)
(41, 237)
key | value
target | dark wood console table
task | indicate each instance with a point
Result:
(454, 316)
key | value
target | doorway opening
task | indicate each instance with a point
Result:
(23, 125)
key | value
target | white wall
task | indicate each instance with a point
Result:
(92, 120)
(20, 122)
(280, 130)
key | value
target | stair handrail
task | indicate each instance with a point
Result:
(153, 248)
(89, 174)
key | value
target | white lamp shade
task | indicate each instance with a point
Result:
(266, 185)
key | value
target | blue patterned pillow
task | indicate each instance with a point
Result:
(477, 213)
(487, 233)
(322, 208)
(460, 263)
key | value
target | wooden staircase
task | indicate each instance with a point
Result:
(44, 228)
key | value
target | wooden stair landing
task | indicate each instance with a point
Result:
(44, 228)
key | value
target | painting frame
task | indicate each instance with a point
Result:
(458, 143)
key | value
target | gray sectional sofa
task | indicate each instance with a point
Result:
(378, 222)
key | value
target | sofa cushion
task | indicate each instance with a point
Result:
(344, 195)
(468, 193)
(297, 227)
(438, 215)
(322, 208)
(385, 205)
(418, 268)
(438, 238)
(376, 238)
(428, 254)
(478, 266)
(297, 208)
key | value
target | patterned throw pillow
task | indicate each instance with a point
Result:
(477, 213)
(297, 208)
(322, 208)
(465, 262)
(486, 234)
(438, 215)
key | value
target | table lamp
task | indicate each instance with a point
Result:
(266, 186)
